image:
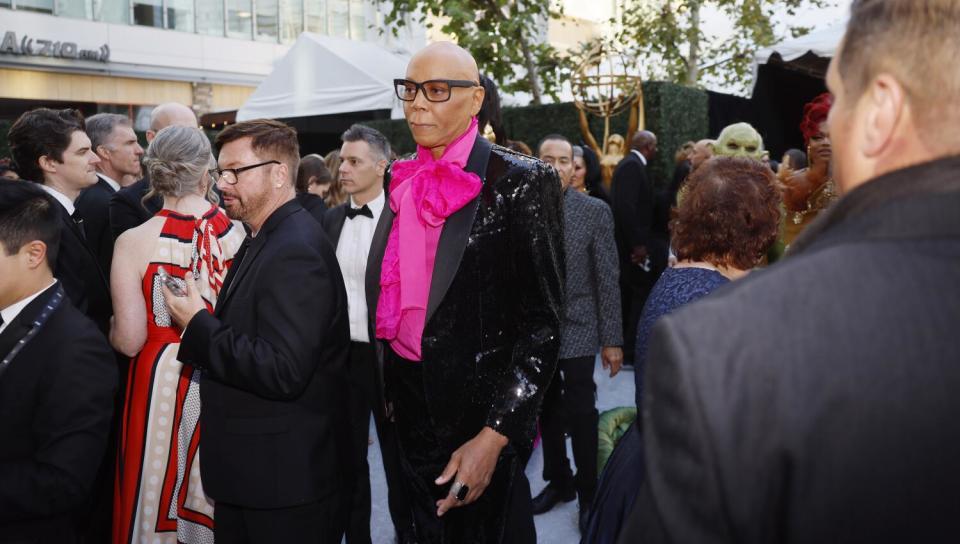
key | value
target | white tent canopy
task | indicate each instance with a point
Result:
(321, 75)
(822, 43)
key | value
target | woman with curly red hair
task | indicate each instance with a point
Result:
(728, 218)
(808, 191)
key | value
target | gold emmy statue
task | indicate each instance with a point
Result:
(603, 86)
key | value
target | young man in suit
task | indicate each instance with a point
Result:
(643, 247)
(52, 149)
(57, 380)
(591, 322)
(127, 208)
(113, 140)
(470, 279)
(276, 453)
(827, 412)
(364, 156)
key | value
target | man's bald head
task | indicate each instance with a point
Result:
(645, 142)
(436, 121)
(170, 114)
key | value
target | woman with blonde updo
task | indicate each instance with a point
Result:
(158, 494)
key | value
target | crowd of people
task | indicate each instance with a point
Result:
(195, 336)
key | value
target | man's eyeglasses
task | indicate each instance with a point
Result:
(434, 90)
(232, 175)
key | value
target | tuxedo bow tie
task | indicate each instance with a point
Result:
(364, 211)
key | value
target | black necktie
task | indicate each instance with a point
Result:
(364, 211)
(79, 222)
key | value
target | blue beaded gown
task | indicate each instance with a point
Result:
(624, 472)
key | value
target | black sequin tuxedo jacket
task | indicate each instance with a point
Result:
(492, 333)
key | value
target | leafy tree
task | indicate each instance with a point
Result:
(669, 36)
(502, 35)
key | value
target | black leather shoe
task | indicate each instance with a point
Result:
(551, 495)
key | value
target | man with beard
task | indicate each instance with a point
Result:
(468, 308)
(275, 447)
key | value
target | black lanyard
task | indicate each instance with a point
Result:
(35, 327)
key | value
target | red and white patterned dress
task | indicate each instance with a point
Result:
(158, 494)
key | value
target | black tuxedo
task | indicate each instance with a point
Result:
(638, 222)
(93, 205)
(79, 271)
(489, 347)
(817, 401)
(367, 396)
(127, 209)
(274, 353)
(56, 403)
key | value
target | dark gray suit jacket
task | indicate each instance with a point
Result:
(592, 297)
(818, 401)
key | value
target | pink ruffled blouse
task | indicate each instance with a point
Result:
(423, 193)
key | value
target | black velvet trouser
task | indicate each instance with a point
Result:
(570, 404)
(363, 376)
(503, 514)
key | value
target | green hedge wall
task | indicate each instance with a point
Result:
(674, 113)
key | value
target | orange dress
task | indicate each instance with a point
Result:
(158, 496)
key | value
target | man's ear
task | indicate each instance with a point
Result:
(48, 164)
(35, 252)
(884, 104)
(382, 167)
(282, 174)
(478, 94)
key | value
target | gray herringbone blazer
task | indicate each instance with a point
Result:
(592, 310)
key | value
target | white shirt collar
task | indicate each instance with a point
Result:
(376, 205)
(109, 180)
(61, 198)
(12, 311)
(639, 154)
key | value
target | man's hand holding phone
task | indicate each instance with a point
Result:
(182, 304)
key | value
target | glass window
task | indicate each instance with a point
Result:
(148, 12)
(112, 11)
(316, 20)
(210, 17)
(339, 12)
(180, 15)
(82, 9)
(43, 6)
(267, 24)
(239, 19)
(358, 20)
(291, 20)
(4, 3)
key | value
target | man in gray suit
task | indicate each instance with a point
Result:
(591, 322)
(817, 401)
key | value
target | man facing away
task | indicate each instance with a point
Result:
(113, 140)
(591, 322)
(468, 308)
(52, 149)
(828, 412)
(275, 451)
(57, 380)
(641, 238)
(364, 156)
(127, 209)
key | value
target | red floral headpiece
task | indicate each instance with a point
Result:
(814, 114)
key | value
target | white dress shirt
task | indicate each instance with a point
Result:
(12, 311)
(110, 182)
(639, 154)
(61, 198)
(353, 247)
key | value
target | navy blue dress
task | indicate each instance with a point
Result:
(624, 472)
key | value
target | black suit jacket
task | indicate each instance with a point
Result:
(492, 333)
(637, 211)
(93, 204)
(56, 403)
(817, 401)
(127, 210)
(314, 205)
(274, 358)
(79, 271)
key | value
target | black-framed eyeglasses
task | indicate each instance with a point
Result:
(434, 90)
(232, 175)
